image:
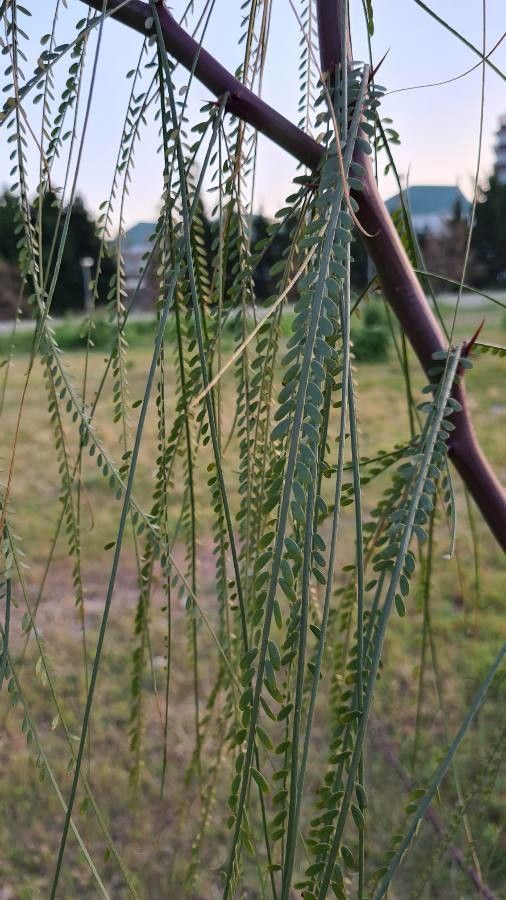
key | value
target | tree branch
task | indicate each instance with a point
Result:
(242, 102)
(408, 301)
(399, 283)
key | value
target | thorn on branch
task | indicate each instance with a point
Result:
(468, 345)
(372, 73)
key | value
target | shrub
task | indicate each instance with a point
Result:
(371, 338)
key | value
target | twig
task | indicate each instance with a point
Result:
(380, 740)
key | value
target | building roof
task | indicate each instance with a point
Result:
(431, 200)
(139, 234)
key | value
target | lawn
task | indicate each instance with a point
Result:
(155, 831)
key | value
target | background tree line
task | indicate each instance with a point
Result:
(487, 269)
(82, 242)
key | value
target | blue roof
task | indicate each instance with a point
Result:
(431, 199)
(139, 234)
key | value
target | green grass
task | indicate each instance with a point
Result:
(155, 835)
(72, 335)
(371, 337)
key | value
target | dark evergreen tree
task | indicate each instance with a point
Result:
(82, 241)
(489, 237)
(8, 240)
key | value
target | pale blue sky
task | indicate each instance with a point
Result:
(438, 126)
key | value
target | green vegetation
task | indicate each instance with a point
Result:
(489, 240)
(79, 231)
(250, 631)
(155, 836)
(370, 336)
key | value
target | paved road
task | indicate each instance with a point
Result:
(468, 300)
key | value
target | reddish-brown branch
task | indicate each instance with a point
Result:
(242, 102)
(407, 299)
(400, 284)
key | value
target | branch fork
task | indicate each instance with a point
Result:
(399, 282)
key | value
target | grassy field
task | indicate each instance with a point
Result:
(155, 833)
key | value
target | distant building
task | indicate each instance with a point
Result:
(440, 214)
(500, 152)
(136, 243)
(432, 206)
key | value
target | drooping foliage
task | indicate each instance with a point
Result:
(271, 559)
